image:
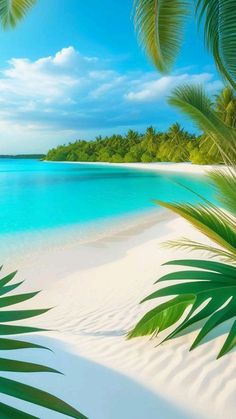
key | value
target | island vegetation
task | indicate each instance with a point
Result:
(174, 145)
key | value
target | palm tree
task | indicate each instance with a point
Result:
(176, 135)
(225, 106)
(133, 136)
(194, 101)
(160, 26)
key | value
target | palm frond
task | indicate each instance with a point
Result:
(161, 317)
(194, 102)
(216, 210)
(211, 293)
(11, 11)
(8, 412)
(208, 221)
(159, 25)
(219, 27)
(191, 245)
(225, 184)
(15, 388)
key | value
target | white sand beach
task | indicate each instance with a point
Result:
(199, 169)
(95, 289)
(87, 246)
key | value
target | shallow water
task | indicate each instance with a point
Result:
(37, 198)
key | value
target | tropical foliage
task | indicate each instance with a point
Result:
(217, 224)
(160, 26)
(225, 106)
(174, 145)
(209, 291)
(11, 11)
(219, 135)
(212, 285)
(11, 387)
(213, 117)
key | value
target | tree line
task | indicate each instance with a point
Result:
(174, 145)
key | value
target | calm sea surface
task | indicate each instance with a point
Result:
(38, 198)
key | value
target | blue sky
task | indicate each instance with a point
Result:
(74, 70)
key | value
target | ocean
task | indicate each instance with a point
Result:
(40, 198)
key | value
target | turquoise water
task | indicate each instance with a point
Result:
(38, 197)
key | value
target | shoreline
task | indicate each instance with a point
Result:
(68, 237)
(73, 233)
(156, 167)
(95, 289)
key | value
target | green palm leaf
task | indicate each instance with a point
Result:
(13, 344)
(38, 397)
(211, 222)
(17, 330)
(6, 290)
(210, 289)
(162, 317)
(193, 101)
(219, 27)
(230, 341)
(217, 267)
(14, 388)
(225, 184)
(7, 278)
(11, 11)
(8, 412)
(15, 299)
(19, 366)
(159, 25)
(212, 251)
(211, 293)
(216, 224)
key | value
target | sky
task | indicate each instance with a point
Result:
(73, 69)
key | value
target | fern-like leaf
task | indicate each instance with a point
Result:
(210, 291)
(15, 388)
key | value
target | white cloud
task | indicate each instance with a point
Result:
(46, 79)
(155, 90)
(69, 94)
